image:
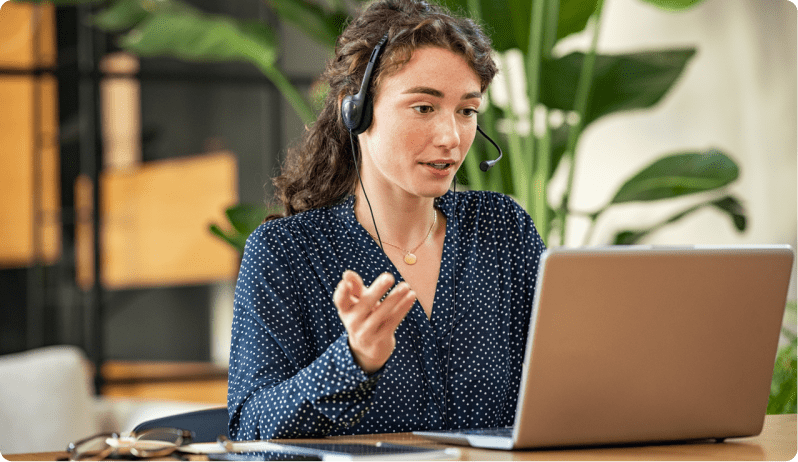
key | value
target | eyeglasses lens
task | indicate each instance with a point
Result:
(157, 442)
(94, 448)
(150, 443)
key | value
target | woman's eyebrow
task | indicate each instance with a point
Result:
(439, 94)
(473, 94)
(425, 90)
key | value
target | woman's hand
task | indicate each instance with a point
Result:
(371, 323)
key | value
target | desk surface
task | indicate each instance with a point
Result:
(776, 442)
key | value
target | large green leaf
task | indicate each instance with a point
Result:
(674, 5)
(633, 89)
(58, 2)
(507, 22)
(237, 240)
(574, 15)
(621, 82)
(194, 36)
(734, 208)
(729, 205)
(678, 175)
(316, 22)
(121, 15)
(244, 219)
(782, 398)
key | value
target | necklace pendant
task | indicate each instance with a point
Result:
(410, 258)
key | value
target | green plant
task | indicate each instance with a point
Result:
(783, 387)
(173, 28)
(565, 94)
(243, 218)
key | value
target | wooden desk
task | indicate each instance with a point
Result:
(776, 442)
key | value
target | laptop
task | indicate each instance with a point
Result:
(639, 344)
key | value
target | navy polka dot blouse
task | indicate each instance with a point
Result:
(291, 371)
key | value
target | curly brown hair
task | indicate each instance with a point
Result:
(320, 171)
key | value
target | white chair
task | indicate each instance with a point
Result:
(47, 400)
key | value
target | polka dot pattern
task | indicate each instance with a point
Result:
(291, 371)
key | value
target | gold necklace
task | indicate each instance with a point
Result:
(410, 256)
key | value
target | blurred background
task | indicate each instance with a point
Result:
(142, 122)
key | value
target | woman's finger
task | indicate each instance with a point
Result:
(374, 293)
(347, 292)
(391, 311)
(398, 312)
(342, 296)
(370, 298)
(357, 282)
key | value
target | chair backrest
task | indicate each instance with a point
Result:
(46, 399)
(205, 425)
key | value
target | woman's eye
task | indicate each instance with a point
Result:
(469, 112)
(424, 109)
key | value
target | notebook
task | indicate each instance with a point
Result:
(287, 450)
(641, 344)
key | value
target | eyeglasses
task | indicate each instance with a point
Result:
(156, 442)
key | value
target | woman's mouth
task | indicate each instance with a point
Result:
(438, 166)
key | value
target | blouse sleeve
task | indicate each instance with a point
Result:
(282, 382)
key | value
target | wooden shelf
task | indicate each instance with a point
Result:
(181, 381)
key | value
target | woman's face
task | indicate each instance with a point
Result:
(425, 118)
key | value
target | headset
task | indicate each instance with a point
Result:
(358, 110)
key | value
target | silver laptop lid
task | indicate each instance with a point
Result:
(641, 344)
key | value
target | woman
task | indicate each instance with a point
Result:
(318, 347)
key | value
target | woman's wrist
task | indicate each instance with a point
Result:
(368, 365)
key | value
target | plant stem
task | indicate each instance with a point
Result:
(476, 9)
(580, 106)
(518, 159)
(541, 176)
(550, 30)
(338, 5)
(533, 190)
(533, 53)
(592, 228)
(540, 205)
(476, 178)
(289, 92)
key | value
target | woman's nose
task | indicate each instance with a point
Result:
(446, 133)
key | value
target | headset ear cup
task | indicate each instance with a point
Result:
(366, 117)
(357, 110)
(350, 115)
(356, 113)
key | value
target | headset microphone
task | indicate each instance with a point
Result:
(485, 165)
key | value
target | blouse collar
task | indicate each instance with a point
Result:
(345, 208)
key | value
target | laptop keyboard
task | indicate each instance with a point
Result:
(500, 431)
